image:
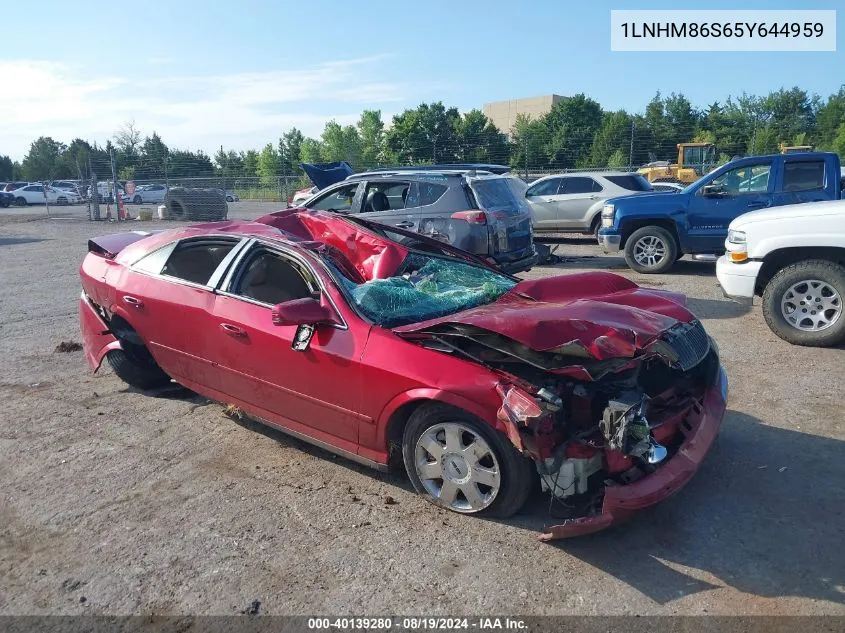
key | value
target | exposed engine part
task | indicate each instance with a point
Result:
(571, 477)
(554, 401)
(626, 428)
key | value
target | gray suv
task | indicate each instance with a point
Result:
(476, 211)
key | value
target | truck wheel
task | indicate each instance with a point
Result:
(802, 303)
(651, 249)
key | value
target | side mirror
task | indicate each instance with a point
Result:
(307, 311)
(711, 191)
(306, 314)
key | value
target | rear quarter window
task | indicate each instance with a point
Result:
(632, 182)
(424, 193)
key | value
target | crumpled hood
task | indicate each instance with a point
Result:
(594, 314)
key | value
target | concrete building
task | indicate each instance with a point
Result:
(503, 113)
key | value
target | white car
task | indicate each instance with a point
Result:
(104, 191)
(150, 194)
(667, 187)
(573, 202)
(36, 193)
(301, 195)
(794, 258)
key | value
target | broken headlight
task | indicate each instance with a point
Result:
(626, 428)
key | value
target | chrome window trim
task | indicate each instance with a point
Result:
(223, 288)
(241, 240)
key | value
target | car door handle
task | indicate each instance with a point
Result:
(135, 303)
(549, 200)
(405, 225)
(232, 330)
(757, 204)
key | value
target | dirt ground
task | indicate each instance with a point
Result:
(118, 502)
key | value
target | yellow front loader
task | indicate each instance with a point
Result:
(694, 160)
(792, 149)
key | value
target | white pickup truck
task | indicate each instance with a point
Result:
(794, 258)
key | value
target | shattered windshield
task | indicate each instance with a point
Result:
(426, 288)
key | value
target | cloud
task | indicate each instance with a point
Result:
(236, 110)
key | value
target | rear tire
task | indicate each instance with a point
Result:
(785, 292)
(651, 250)
(516, 474)
(135, 370)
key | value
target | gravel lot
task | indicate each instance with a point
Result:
(117, 502)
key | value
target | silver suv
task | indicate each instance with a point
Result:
(573, 202)
(474, 210)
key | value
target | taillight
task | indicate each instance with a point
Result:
(473, 217)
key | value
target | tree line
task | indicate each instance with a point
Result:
(576, 133)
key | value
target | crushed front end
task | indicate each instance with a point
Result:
(611, 436)
(607, 448)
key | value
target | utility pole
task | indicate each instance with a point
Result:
(525, 150)
(94, 198)
(114, 185)
(631, 150)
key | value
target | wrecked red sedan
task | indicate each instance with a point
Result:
(605, 395)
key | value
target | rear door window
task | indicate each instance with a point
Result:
(385, 196)
(196, 260)
(803, 175)
(578, 184)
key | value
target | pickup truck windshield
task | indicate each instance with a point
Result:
(426, 288)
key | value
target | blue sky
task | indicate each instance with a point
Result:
(239, 74)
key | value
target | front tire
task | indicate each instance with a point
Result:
(21, 201)
(137, 200)
(802, 303)
(651, 250)
(136, 370)
(460, 464)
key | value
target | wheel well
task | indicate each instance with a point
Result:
(395, 429)
(124, 332)
(776, 260)
(632, 225)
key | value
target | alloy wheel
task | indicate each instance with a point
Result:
(649, 251)
(811, 305)
(457, 467)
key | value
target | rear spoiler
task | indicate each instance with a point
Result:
(108, 246)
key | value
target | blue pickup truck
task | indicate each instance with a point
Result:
(656, 230)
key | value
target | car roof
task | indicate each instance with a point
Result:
(458, 167)
(591, 174)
